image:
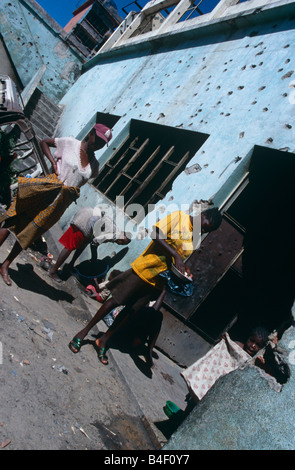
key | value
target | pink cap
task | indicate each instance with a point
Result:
(103, 132)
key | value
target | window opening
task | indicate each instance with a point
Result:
(100, 27)
(84, 37)
(144, 167)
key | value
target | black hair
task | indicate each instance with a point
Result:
(214, 217)
(260, 332)
(115, 273)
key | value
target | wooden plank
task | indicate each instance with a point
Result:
(142, 168)
(172, 173)
(129, 163)
(122, 156)
(148, 180)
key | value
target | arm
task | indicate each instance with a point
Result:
(159, 300)
(45, 147)
(158, 237)
(93, 249)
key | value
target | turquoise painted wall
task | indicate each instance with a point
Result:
(34, 39)
(229, 79)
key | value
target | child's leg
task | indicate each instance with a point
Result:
(64, 254)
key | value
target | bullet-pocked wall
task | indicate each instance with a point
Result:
(33, 39)
(230, 78)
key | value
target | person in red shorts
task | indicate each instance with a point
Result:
(80, 234)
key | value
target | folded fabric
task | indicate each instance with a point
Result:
(222, 359)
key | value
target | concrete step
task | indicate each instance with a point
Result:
(43, 115)
(39, 123)
(39, 98)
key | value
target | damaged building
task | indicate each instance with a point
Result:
(201, 104)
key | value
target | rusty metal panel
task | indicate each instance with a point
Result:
(218, 252)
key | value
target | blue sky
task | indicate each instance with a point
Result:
(61, 10)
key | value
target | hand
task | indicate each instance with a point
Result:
(54, 167)
(188, 272)
(179, 264)
(260, 361)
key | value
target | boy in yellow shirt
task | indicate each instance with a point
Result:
(172, 242)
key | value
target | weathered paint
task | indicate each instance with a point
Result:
(33, 39)
(228, 78)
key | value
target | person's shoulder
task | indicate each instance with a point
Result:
(69, 138)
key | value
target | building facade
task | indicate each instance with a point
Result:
(202, 111)
(201, 105)
(35, 46)
(92, 24)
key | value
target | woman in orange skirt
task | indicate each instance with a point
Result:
(40, 202)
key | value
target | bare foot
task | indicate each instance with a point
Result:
(55, 277)
(5, 276)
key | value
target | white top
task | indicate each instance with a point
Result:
(85, 219)
(94, 223)
(69, 167)
(104, 231)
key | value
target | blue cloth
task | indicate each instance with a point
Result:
(176, 286)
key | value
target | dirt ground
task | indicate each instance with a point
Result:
(52, 399)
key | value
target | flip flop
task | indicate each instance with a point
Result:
(101, 354)
(75, 345)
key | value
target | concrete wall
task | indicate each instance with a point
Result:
(34, 39)
(242, 412)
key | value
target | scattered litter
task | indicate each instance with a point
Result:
(114, 434)
(48, 332)
(27, 363)
(47, 324)
(45, 263)
(81, 429)
(83, 432)
(16, 298)
(61, 368)
(5, 443)
(13, 371)
(20, 318)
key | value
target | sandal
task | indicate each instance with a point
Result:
(101, 353)
(75, 345)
